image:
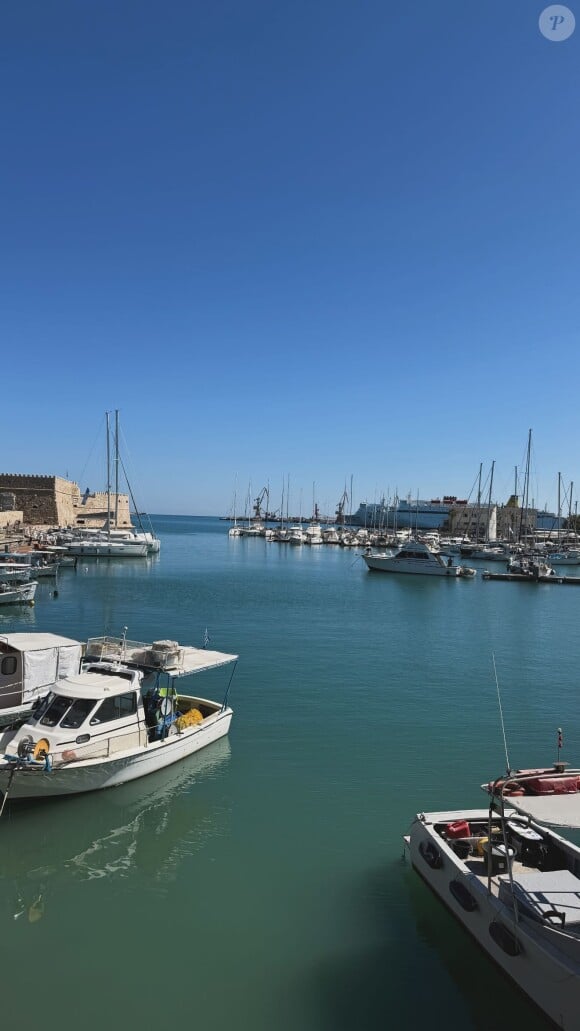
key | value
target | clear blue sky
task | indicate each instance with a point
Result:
(314, 238)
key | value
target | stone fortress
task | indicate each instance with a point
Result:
(54, 501)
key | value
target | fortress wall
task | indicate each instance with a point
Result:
(54, 501)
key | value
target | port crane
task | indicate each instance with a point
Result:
(340, 520)
(264, 493)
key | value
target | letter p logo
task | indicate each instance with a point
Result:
(557, 23)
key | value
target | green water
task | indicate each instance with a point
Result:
(260, 884)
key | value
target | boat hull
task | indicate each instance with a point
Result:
(116, 549)
(547, 977)
(19, 595)
(95, 774)
(387, 564)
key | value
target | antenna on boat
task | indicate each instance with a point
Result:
(507, 759)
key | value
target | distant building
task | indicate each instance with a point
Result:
(456, 517)
(54, 501)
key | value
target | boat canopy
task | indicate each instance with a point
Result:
(196, 660)
(553, 810)
(168, 657)
(45, 659)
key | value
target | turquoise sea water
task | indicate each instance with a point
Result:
(260, 884)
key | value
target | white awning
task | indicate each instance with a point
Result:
(553, 810)
(195, 660)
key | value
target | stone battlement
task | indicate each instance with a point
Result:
(54, 501)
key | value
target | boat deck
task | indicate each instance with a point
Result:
(478, 866)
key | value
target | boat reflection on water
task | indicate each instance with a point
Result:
(144, 829)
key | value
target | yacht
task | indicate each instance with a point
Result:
(415, 557)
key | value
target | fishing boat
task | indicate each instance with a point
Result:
(30, 664)
(14, 593)
(513, 882)
(119, 718)
(415, 557)
(16, 587)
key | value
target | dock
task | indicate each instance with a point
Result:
(523, 578)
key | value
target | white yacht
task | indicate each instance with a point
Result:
(513, 882)
(114, 721)
(296, 534)
(313, 534)
(415, 557)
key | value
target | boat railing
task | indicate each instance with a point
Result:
(161, 655)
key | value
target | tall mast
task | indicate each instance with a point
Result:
(526, 484)
(489, 497)
(559, 505)
(116, 468)
(478, 503)
(108, 478)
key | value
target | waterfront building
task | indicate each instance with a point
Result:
(55, 501)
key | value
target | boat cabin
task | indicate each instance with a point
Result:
(31, 663)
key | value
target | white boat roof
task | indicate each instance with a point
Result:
(92, 684)
(553, 810)
(196, 660)
(30, 642)
(178, 661)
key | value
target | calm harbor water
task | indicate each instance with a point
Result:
(260, 884)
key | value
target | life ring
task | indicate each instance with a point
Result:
(41, 749)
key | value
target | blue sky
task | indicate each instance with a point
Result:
(310, 239)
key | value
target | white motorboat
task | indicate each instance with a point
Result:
(529, 567)
(30, 664)
(16, 587)
(313, 534)
(415, 557)
(13, 571)
(564, 558)
(39, 563)
(114, 721)
(514, 883)
(296, 535)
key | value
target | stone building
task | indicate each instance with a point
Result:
(54, 501)
(490, 523)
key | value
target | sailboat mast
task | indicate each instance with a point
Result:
(489, 497)
(559, 506)
(478, 503)
(526, 484)
(116, 468)
(108, 477)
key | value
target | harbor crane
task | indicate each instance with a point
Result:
(264, 493)
(340, 508)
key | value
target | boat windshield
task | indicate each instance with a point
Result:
(78, 713)
(70, 713)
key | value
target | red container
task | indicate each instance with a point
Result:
(459, 829)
